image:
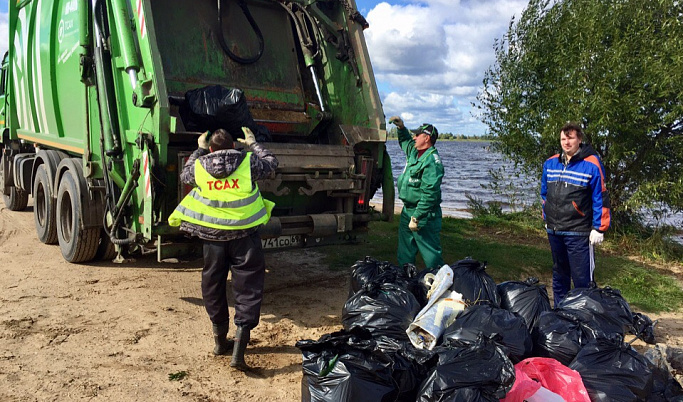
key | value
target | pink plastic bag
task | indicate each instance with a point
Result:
(534, 372)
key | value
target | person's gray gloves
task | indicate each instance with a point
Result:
(203, 141)
(249, 138)
(413, 224)
(395, 120)
(596, 237)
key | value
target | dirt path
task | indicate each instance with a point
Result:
(116, 332)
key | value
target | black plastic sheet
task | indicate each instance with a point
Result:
(478, 372)
(558, 336)
(420, 286)
(471, 280)
(213, 107)
(527, 299)
(665, 388)
(613, 371)
(602, 311)
(410, 366)
(508, 329)
(383, 309)
(644, 328)
(369, 271)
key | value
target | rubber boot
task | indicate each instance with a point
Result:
(224, 345)
(241, 341)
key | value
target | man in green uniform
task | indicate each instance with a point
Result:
(419, 187)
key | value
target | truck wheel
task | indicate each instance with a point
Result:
(15, 199)
(76, 243)
(44, 207)
(106, 249)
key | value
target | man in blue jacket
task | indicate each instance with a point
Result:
(576, 210)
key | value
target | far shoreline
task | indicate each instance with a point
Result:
(451, 139)
(448, 212)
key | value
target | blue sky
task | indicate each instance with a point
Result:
(429, 56)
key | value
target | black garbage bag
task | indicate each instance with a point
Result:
(644, 328)
(410, 365)
(214, 107)
(602, 311)
(665, 388)
(527, 299)
(420, 286)
(478, 372)
(383, 309)
(508, 329)
(471, 280)
(613, 371)
(369, 270)
(346, 367)
(559, 336)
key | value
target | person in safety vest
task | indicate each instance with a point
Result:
(225, 209)
(419, 187)
(576, 210)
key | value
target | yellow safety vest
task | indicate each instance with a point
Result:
(228, 204)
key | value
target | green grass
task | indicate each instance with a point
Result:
(515, 248)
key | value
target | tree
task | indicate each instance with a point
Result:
(616, 67)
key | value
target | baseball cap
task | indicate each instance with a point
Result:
(428, 129)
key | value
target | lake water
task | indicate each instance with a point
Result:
(466, 166)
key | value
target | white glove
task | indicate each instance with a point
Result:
(248, 137)
(413, 224)
(203, 141)
(395, 120)
(596, 237)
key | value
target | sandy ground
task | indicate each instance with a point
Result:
(112, 332)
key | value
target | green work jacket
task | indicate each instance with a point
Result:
(228, 203)
(419, 186)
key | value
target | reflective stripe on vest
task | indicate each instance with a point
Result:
(231, 203)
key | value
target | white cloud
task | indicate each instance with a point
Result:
(432, 55)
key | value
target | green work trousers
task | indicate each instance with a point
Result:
(427, 240)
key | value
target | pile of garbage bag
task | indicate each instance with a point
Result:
(452, 334)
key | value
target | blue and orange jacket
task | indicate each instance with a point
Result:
(575, 198)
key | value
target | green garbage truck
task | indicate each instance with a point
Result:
(94, 101)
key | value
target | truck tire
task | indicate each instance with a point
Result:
(76, 243)
(15, 199)
(44, 207)
(106, 249)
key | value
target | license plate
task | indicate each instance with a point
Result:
(282, 241)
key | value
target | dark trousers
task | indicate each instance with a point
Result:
(244, 257)
(572, 261)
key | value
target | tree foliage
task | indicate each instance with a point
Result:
(616, 67)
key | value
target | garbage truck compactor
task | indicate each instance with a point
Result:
(97, 118)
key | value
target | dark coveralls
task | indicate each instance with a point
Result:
(419, 187)
(236, 251)
(575, 201)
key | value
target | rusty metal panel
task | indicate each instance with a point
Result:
(310, 157)
(187, 38)
(357, 134)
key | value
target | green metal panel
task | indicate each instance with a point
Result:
(45, 75)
